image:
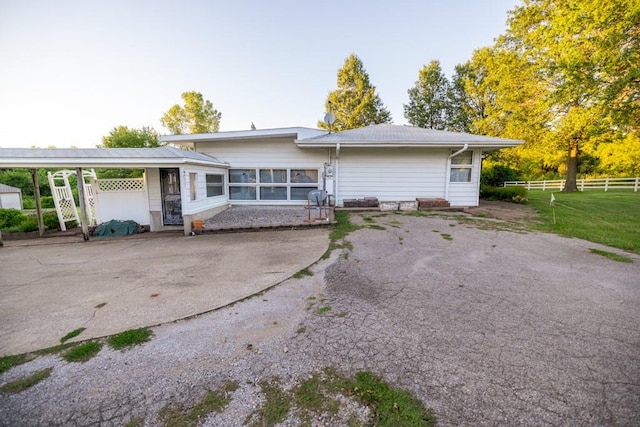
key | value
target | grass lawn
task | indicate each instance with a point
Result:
(611, 218)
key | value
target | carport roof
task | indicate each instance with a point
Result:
(104, 157)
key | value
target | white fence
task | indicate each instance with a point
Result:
(583, 184)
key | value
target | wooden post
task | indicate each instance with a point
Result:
(36, 193)
(83, 207)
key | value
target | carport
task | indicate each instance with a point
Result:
(175, 180)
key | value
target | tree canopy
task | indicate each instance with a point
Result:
(197, 115)
(428, 105)
(355, 102)
(564, 77)
(124, 137)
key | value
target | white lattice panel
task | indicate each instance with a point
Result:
(121, 185)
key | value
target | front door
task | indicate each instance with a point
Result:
(171, 198)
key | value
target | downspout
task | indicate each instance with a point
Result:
(337, 172)
(448, 171)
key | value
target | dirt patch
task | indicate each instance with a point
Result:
(506, 211)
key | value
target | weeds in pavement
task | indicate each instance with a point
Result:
(72, 334)
(340, 230)
(323, 310)
(275, 408)
(82, 352)
(102, 304)
(21, 384)
(8, 362)
(213, 401)
(446, 236)
(304, 272)
(376, 227)
(130, 338)
(135, 422)
(318, 395)
(611, 255)
(56, 349)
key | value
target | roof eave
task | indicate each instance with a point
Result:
(103, 163)
(405, 144)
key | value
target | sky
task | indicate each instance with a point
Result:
(71, 71)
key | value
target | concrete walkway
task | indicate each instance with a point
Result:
(111, 285)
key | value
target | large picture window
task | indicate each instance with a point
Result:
(272, 184)
(461, 167)
(215, 185)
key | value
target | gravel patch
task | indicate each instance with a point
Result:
(490, 327)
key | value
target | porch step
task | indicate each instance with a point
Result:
(426, 204)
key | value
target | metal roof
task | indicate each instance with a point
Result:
(103, 157)
(296, 132)
(394, 135)
(4, 188)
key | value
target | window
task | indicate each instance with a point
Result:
(215, 185)
(461, 167)
(272, 184)
(193, 185)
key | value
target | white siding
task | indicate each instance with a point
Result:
(153, 188)
(202, 202)
(467, 193)
(10, 201)
(272, 153)
(399, 174)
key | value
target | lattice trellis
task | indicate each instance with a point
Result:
(63, 197)
(121, 185)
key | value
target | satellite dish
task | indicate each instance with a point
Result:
(329, 118)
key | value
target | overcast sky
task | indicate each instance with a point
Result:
(70, 71)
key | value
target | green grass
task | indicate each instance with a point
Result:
(323, 310)
(274, 409)
(72, 334)
(213, 401)
(611, 255)
(21, 384)
(391, 406)
(55, 349)
(83, 352)
(130, 338)
(8, 362)
(340, 230)
(304, 272)
(446, 236)
(610, 218)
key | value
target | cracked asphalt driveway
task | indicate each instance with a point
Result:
(486, 325)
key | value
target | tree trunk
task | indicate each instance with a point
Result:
(572, 169)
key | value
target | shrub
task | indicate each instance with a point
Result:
(28, 202)
(508, 194)
(10, 218)
(495, 175)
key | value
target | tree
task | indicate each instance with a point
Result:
(355, 102)
(460, 112)
(585, 56)
(196, 116)
(124, 137)
(429, 104)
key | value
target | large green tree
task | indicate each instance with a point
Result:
(125, 137)
(355, 102)
(564, 77)
(197, 115)
(429, 104)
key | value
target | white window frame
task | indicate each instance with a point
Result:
(209, 185)
(457, 166)
(258, 185)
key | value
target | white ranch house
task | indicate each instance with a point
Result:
(390, 162)
(273, 167)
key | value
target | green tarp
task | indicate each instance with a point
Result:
(116, 228)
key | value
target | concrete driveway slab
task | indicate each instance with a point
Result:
(111, 285)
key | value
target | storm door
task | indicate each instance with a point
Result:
(171, 198)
